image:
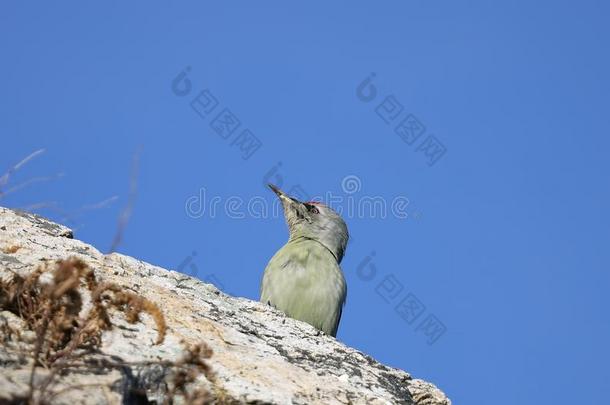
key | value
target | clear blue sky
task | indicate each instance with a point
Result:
(506, 238)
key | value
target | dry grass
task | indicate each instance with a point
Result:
(187, 370)
(64, 337)
(66, 340)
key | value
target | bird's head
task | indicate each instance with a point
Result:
(314, 220)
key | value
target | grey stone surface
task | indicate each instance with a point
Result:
(260, 356)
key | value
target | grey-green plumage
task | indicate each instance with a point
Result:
(303, 279)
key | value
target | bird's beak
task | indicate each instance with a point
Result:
(284, 198)
(293, 208)
(275, 189)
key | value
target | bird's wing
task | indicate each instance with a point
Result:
(304, 280)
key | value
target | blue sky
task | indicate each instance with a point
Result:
(504, 248)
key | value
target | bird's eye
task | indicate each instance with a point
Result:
(312, 208)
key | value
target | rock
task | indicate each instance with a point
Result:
(259, 355)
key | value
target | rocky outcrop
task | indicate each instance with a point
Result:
(258, 355)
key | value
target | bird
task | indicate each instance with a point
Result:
(304, 278)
